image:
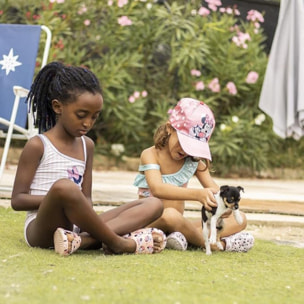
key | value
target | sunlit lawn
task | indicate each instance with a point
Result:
(269, 273)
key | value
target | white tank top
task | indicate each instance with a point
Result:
(54, 165)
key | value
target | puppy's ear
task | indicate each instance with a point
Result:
(240, 188)
(224, 189)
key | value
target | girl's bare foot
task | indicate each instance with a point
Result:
(148, 240)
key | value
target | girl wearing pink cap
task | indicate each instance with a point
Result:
(181, 151)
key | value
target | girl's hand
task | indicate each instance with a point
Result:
(207, 198)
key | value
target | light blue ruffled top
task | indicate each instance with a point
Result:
(179, 178)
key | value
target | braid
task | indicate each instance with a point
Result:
(57, 81)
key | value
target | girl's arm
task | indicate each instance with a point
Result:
(204, 177)
(27, 166)
(172, 192)
(87, 178)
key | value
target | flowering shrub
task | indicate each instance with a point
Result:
(148, 54)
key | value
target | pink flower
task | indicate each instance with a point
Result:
(214, 85)
(229, 11)
(241, 39)
(213, 4)
(170, 111)
(110, 2)
(254, 15)
(132, 99)
(83, 9)
(212, 7)
(199, 86)
(234, 28)
(87, 22)
(237, 12)
(59, 45)
(121, 3)
(136, 94)
(257, 25)
(252, 77)
(195, 72)
(203, 11)
(124, 21)
(231, 88)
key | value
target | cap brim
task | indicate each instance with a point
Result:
(194, 147)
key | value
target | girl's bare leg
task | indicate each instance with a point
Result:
(132, 216)
(128, 218)
(172, 220)
(65, 204)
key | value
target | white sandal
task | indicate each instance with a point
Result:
(61, 241)
(144, 240)
(239, 242)
(176, 241)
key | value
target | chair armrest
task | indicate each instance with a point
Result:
(20, 91)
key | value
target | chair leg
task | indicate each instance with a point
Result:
(9, 135)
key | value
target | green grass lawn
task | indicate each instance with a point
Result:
(269, 273)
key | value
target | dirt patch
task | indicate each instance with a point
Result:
(268, 206)
(293, 236)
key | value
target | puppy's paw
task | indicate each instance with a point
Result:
(208, 252)
(219, 246)
(212, 239)
(238, 216)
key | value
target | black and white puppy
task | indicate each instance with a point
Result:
(227, 198)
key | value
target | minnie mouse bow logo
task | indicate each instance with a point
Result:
(203, 132)
(74, 175)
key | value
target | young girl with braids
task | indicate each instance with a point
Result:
(53, 181)
(181, 151)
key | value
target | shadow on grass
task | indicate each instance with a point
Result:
(269, 273)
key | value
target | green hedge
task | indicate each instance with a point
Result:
(149, 54)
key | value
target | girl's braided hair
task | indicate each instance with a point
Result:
(58, 81)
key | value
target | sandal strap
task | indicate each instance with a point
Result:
(144, 239)
(75, 243)
(61, 241)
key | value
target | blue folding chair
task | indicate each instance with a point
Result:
(19, 46)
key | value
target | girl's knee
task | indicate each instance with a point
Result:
(172, 218)
(231, 226)
(156, 205)
(244, 223)
(64, 188)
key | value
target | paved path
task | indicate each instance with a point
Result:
(271, 197)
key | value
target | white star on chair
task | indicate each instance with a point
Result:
(9, 62)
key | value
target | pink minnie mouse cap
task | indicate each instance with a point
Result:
(194, 123)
